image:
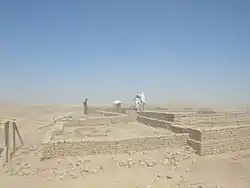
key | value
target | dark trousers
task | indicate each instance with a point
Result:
(85, 106)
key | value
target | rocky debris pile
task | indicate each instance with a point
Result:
(26, 150)
(76, 167)
(68, 168)
(176, 181)
(126, 163)
(243, 155)
(148, 162)
(174, 158)
(20, 169)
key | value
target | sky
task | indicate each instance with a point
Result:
(56, 51)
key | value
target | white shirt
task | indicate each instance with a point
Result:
(117, 102)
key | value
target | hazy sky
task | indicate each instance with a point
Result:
(56, 51)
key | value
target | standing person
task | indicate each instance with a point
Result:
(137, 102)
(85, 105)
(117, 104)
(143, 100)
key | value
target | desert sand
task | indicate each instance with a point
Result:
(163, 167)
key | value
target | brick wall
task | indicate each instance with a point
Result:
(158, 115)
(217, 118)
(108, 113)
(206, 141)
(153, 122)
(51, 149)
(107, 120)
(220, 139)
(162, 124)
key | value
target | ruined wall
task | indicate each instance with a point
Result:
(216, 118)
(108, 113)
(158, 115)
(116, 110)
(194, 118)
(179, 118)
(153, 122)
(106, 120)
(218, 140)
(205, 141)
(161, 124)
(52, 149)
(209, 138)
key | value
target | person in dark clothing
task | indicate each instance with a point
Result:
(85, 105)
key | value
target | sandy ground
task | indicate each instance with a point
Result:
(160, 168)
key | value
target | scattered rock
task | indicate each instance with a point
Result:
(187, 170)
(148, 163)
(74, 175)
(169, 177)
(129, 163)
(164, 162)
(159, 176)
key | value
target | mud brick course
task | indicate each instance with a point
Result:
(206, 141)
(105, 113)
(105, 120)
(162, 124)
(52, 149)
(195, 119)
(218, 140)
(180, 118)
(154, 122)
(158, 115)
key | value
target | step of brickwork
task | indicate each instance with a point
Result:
(222, 146)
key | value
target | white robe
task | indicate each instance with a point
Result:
(137, 103)
(143, 98)
(117, 102)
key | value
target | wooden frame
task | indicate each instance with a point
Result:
(6, 152)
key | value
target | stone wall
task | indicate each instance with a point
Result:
(52, 149)
(209, 139)
(107, 113)
(204, 140)
(161, 124)
(116, 110)
(195, 118)
(218, 140)
(106, 120)
(217, 118)
(158, 115)
(153, 122)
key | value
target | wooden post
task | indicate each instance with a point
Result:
(4, 158)
(6, 143)
(18, 134)
(14, 137)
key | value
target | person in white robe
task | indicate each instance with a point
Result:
(117, 104)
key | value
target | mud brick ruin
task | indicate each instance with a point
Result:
(112, 132)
